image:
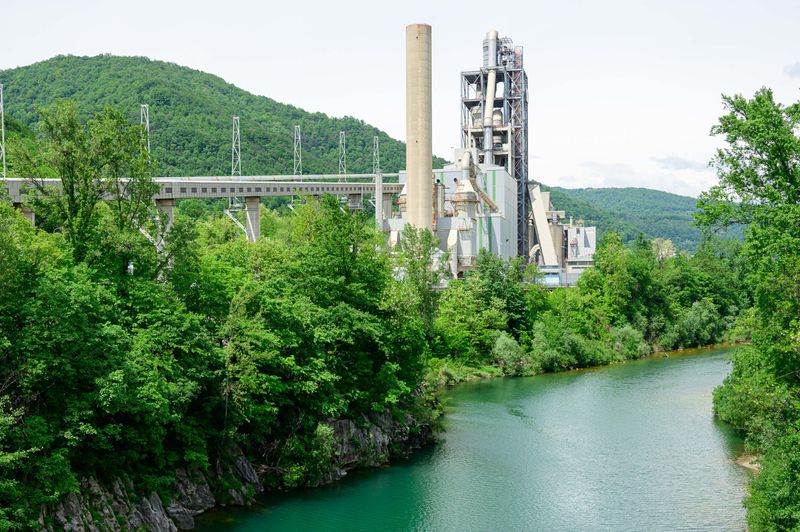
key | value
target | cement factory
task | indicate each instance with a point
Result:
(483, 199)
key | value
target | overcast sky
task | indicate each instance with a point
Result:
(621, 93)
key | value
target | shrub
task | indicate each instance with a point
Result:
(629, 342)
(702, 325)
(510, 357)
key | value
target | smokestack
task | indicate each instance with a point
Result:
(419, 110)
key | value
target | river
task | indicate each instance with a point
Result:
(629, 447)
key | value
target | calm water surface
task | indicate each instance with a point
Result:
(631, 447)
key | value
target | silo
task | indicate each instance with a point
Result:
(419, 111)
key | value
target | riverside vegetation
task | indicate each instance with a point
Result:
(219, 343)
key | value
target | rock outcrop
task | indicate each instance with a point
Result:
(120, 507)
(373, 441)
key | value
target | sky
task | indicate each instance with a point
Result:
(621, 93)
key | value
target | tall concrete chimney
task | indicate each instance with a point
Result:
(419, 111)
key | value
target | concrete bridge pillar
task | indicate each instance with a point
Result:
(29, 214)
(166, 208)
(387, 205)
(354, 202)
(253, 211)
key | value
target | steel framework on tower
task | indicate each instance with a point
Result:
(512, 98)
(2, 132)
(298, 153)
(342, 154)
(144, 119)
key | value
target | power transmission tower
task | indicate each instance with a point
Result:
(2, 132)
(376, 155)
(144, 117)
(236, 150)
(376, 169)
(298, 155)
(236, 204)
(342, 155)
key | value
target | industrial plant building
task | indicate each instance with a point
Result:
(484, 198)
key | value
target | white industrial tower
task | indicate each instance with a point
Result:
(494, 119)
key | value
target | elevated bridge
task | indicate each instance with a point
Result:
(251, 189)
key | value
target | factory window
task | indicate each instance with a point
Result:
(168, 190)
(194, 190)
(223, 189)
(248, 189)
(213, 189)
(183, 190)
(258, 189)
(281, 189)
(203, 189)
(241, 189)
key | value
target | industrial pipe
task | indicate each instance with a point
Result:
(419, 141)
(468, 172)
(488, 104)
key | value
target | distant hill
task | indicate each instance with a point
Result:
(191, 114)
(655, 213)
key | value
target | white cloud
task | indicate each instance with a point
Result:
(673, 162)
(793, 71)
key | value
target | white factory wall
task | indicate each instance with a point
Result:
(495, 232)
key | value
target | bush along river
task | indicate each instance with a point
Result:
(629, 447)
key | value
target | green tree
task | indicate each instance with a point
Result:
(419, 252)
(468, 319)
(104, 160)
(759, 174)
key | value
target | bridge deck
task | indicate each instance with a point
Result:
(225, 187)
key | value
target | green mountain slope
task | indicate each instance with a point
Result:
(191, 114)
(655, 213)
(591, 215)
(635, 201)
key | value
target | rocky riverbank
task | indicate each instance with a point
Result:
(119, 506)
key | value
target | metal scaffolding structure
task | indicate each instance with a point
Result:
(298, 154)
(376, 169)
(144, 118)
(236, 149)
(2, 132)
(376, 155)
(235, 203)
(342, 154)
(511, 99)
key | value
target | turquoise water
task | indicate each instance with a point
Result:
(631, 447)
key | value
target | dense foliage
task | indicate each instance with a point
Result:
(630, 211)
(634, 301)
(117, 358)
(191, 114)
(759, 187)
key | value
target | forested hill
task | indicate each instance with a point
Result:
(191, 114)
(634, 201)
(655, 213)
